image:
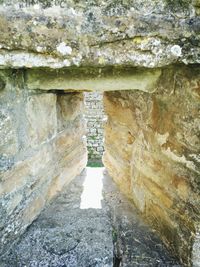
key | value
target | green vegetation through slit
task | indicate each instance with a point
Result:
(95, 164)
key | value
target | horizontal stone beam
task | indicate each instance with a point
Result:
(93, 79)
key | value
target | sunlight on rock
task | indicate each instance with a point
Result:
(92, 189)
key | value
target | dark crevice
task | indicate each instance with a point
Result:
(116, 261)
(117, 257)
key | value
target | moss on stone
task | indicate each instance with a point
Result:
(178, 5)
(2, 84)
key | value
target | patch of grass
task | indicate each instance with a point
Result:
(95, 164)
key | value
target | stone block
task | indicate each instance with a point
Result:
(69, 107)
(40, 169)
(151, 151)
(42, 118)
(124, 79)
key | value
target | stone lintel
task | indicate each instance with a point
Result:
(93, 79)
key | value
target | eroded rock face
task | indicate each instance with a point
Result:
(64, 33)
(68, 234)
(152, 144)
(41, 150)
(152, 135)
(93, 79)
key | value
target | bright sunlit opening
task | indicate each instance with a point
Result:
(92, 189)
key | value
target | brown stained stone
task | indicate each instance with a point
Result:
(68, 173)
(162, 163)
(33, 209)
(69, 107)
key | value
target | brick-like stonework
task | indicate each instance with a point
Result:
(94, 116)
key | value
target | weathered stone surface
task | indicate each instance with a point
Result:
(41, 115)
(69, 33)
(2, 84)
(40, 152)
(152, 145)
(10, 98)
(8, 141)
(93, 79)
(49, 48)
(66, 234)
(135, 244)
(69, 107)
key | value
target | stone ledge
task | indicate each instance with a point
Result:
(93, 79)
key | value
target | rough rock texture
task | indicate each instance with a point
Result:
(93, 79)
(50, 47)
(95, 117)
(41, 150)
(152, 144)
(65, 234)
(63, 33)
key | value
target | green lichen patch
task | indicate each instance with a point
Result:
(178, 5)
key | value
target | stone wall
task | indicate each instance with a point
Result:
(143, 33)
(152, 146)
(41, 150)
(152, 135)
(95, 116)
